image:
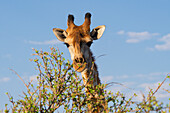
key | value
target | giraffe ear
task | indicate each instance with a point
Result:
(60, 34)
(97, 32)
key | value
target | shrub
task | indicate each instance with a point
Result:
(59, 85)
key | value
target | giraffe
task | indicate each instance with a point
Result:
(78, 40)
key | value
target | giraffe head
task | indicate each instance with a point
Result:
(78, 40)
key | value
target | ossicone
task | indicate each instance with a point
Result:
(87, 21)
(70, 21)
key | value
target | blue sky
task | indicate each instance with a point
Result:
(136, 40)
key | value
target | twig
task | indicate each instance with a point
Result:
(19, 77)
(160, 85)
(166, 90)
(100, 56)
(107, 85)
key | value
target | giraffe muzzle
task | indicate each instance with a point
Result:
(79, 64)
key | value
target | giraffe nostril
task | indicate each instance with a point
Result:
(76, 60)
(79, 60)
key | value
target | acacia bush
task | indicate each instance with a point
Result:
(58, 85)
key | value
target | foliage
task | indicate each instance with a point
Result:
(59, 85)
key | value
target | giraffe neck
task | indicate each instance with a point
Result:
(91, 72)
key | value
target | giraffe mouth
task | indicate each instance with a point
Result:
(79, 67)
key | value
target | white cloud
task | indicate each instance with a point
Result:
(5, 79)
(47, 42)
(106, 78)
(148, 76)
(126, 88)
(115, 88)
(140, 89)
(157, 73)
(121, 32)
(160, 93)
(132, 40)
(144, 88)
(140, 84)
(150, 49)
(166, 45)
(151, 76)
(122, 77)
(33, 78)
(136, 37)
(6, 56)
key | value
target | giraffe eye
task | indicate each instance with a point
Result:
(67, 44)
(89, 43)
